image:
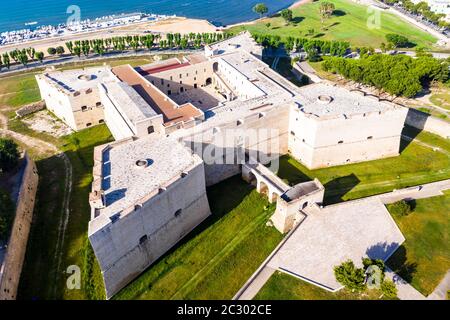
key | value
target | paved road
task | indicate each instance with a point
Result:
(66, 59)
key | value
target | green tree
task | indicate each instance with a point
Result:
(6, 60)
(30, 51)
(261, 9)
(23, 57)
(351, 277)
(326, 10)
(6, 214)
(287, 15)
(398, 41)
(389, 289)
(69, 45)
(9, 154)
(40, 56)
(77, 51)
(51, 51)
(60, 50)
(400, 208)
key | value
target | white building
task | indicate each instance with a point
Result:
(173, 121)
(438, 6)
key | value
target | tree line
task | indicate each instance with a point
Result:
(398, 75)
(114, 44)
(422, 8)
(313, 47)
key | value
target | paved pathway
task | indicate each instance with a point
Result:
(440, 293)
(405, 290)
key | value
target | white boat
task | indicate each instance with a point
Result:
(31, 23)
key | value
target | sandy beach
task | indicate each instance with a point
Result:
(292, 6)
(172, 25)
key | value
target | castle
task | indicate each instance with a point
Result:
(184, 124)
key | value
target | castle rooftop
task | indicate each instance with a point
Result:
(79, 79)
(323, 101)
(129, 101)
(161, 103)
(136, 170)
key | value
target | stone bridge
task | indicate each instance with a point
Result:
(265, 180)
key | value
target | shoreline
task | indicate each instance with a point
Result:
(294, 5)
(182, 25)
(160, 26)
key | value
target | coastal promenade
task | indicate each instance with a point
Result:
(68, 59)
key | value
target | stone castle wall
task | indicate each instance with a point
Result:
(126, 247)
(17, 245)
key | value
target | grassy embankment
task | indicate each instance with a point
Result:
(350, 22)
(220, 255)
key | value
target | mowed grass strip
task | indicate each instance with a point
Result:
(417, 164)
(282, 286)
(16, 91)
(39, 278)
(219, 256)
(424, 257)
(351, 22)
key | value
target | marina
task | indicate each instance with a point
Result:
(88, 25)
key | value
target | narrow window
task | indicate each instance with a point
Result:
(181, 89)
(83, 108)
(341, 141)
(88, 124)
(195, 86)
(369, 137)
(98, 104)
(101, 121)
(150, 129)
(293, 133)
(177, 213)
(143, 239)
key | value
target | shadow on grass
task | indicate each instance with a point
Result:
(339, 13)
(398, 262)
(297, 20)
(410, 132)
(235, 189)
(38, 277)
(319, 35)
(290, 173)
(336, 189)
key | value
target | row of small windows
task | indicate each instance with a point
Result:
(99, 121)
(339, 142)
(144, 238)
(85, 108)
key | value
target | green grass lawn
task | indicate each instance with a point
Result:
(39, 277)
(22, 89)
(424, 257)
(441, 98)
(18, 90)
(349, 23)
(219, 256)
(282, 286)
(416, 165)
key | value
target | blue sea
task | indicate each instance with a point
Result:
(16, 13)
